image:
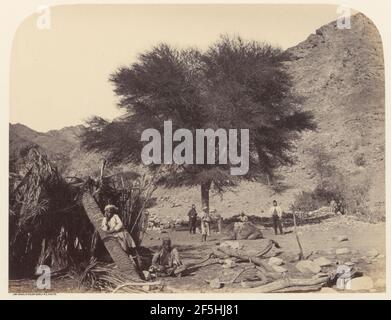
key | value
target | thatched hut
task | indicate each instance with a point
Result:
(49, 223)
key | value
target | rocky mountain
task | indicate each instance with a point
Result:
(339, 72)
(57, 144)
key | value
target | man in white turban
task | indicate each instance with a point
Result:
(113, 225)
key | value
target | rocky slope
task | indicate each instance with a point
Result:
(340, 72)
(57, 144)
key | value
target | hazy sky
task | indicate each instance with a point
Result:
(59, 76)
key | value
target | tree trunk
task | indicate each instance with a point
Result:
(295, 284)
(244, 256)
(120, 258)
(205, 187)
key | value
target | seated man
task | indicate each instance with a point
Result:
(166, 261)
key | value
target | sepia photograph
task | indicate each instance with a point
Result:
(196, 148)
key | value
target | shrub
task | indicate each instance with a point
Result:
(352, 191)
(305, 201)
(359, 159)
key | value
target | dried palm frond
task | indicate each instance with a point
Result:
(106, 277)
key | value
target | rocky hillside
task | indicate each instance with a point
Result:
(340, 73)
(58, 144)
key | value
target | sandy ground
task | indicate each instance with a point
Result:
(317, 239)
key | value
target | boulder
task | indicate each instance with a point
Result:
(361, 283)
(308, 266)
(322, 262)
(341, 238)
(328, 290)
(366, 259)
(215, 284)
(372, 253)
(274, 261)
(380, 283)
(147, 275)
(321, 275)
(295, 258)
(342, 251)
(243, 231)
(232, 244)
(279, 269)
(228, 264)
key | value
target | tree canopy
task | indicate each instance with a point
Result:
(233, 84)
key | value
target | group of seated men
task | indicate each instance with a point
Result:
(166, 261)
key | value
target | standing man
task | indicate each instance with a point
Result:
(205, 224)
(276, 214)
(333, 206)
(243, 217)
(216, 217)
(192, 219)
(219, 220)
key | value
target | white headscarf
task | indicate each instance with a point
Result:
(111, 208)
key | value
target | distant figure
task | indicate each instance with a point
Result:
(333, 206)
(112, 224)
(276, 214)
(205, 224)
(243, 217)
(219, 220)
(166, 260)
(340, 207)
(192, 219)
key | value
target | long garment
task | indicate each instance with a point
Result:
(192, 220)
(276, 213)
(192, 224)
(277, 223)
(165, 261)
(219, 224)
(119, 232)
(205, 227)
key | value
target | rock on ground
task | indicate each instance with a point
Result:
(372, 253)
(215, 284)
(328, 290)
(380, 283)
(279, 269)
(232, 244)
(342, 251)
(306, 266)
(274, 261)
(322, 262)
(341, 238)
(361, 283)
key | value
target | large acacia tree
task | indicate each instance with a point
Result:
(233, 84)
